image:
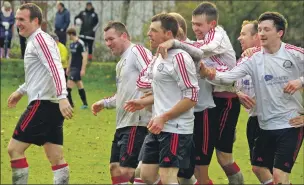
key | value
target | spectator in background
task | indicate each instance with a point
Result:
(62, 22)
(64, 54)
(22, 41)
(7, 20)
(88, 20)
(44, 26)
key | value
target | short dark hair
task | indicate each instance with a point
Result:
(208, 9)
(168, 22)
(118, 27)
(61, 4)
(254, 29)
(35, 11)
(278, 19)
(71, 31)
(181, 21)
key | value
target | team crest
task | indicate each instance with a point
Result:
(287, 64)
(160, 67)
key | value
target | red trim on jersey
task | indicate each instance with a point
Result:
(51, 63)
(182, 67)
(210, 36)
(143, 54)
(174, 143)
(206, 131)
(30, 115)
(225, 116)
(141, 84)
(299, 142)
(292, 47)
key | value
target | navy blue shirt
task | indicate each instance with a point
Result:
(76, 49)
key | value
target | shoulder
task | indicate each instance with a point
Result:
(81, 42)
(293, 49)
(257, 51)
(136, 48)
(180, 55)
(44, 39)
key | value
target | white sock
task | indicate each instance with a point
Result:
(62, 175)
(20, 175)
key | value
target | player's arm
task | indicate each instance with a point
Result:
(108, 103)
(138, 104)
(227, 77)
(185, 74)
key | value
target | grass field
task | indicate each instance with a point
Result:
(87, 139)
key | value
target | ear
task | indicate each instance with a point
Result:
(124, 35)
(169, 34)
(213, 23)
(281, 33)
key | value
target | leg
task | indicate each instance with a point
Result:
(229, 110)
(70, 85)
(149, 173)
(168, 175)
(90, 49)
(263, 156)
(288, 144)
(60, 168)
(82, 94)
(137, 179)
(19, 164)
(131, 144)
(205, 134)
(8, 48)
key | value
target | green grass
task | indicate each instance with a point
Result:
(87, 139)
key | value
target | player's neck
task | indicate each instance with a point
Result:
(273, 48)
(75, 39)
(126, 46)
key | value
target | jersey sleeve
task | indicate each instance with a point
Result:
(22, 89)
(142, 57)
(49, 55)
(144, 79)
(110, 103)
(185, 75)
(196, 53)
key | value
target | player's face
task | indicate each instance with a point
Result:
(23, 22)
(156, 34)
(200, 26)
(114, 41)
(246, 38)
(268, 33)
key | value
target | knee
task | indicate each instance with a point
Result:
(114, 168)
(257, 170)
(280, 176)
(146, 177)
(14, 152)
(224, 159)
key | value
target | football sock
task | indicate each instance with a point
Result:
(70, 96)
(20, 171)
(61, 174)
(83, 97)
(233, 173)
(119, 180)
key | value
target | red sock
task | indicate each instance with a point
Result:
(119, 179)
(231, 169)
(57, 167)
(210, 182)
(19, 163)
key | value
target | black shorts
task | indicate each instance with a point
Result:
(187, 173)
(41, 122)
(205, 136)
(2, 43)
(277, 148)
(226, 112)
(75, 74)
(127, 144)
(167, 149)
(253, 130)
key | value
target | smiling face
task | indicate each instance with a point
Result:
(115, 41)
(268, 33)
(156, 34)
(247, 38)
(25, 25)
(200, 26)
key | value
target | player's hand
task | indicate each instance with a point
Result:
(97, 107)
(163, 48)
(13, 99)
(133, 105)
(156, 124)
(207, 71)
(292, 86)
(248, 52)
(66, 108)
(297, 121)
(82, 73)
(67, 71)
(246, 101)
